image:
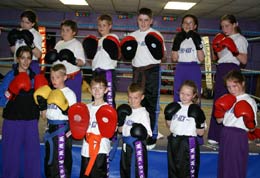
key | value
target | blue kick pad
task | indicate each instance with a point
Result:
(157, 164)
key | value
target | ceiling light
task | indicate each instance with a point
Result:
(75, 2)
(179, 5)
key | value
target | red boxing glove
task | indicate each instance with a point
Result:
(231, 46)
(20, 82)
(216, 43)
(244, 109)
(254, 134)
(39, 81)
(223, 104)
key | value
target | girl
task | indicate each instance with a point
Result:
(187, 50)
(185, 120)
(28, 36)
(229, 58)
(237, 112)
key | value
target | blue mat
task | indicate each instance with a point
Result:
(157, 164)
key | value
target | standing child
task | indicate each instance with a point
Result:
(148, 48)
(187, 50)
(231, 50)
(21, 114)
(28, 35)
(101, 127)
(71, 54)
(186, 120)
(237, 111)
(106, 56)
(134, 124)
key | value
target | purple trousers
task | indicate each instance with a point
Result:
(219, 90)
(233, 153)
(18, 136)
(75, 85)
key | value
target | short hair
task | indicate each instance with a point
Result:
(99, 79)
(59, 67)
(145, 11)
(236, 76)
(23, 49)
(135, 87)
(70, 23)
(195, 19)
(105, 17)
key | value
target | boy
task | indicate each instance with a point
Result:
(71, 54)
(96, 145)
(58, 144)
(146, 65)
(134, 124)
(105, 59)
(20, 114)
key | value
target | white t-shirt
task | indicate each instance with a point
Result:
(181, 124)
(139, 115)
(54, 113)
(76, 47)
(227, 57)
(143, 56)
(230, 120)
(93, 128)
(102, 59)
(37, 41)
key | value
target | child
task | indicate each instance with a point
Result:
(96, 145)
(187, 50)
(146, 65)
(231, 50)
(237, 111)
(58, 144)
(105, 59)
(71, 54)
(186, 120)
(21, 114)
(28, 35)
(134, 124)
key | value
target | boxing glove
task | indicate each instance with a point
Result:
(128, 47)
(90, 46)
(171, 109)
(79, 117)
(57, 97)
(21, 82)
(243, 109)
(178, 40)
(40, 96)
(67, 55)
(28, 38)
(107, 120)
(138, 131)
(154, 43)
(112, 46)
(216, 43)
(255, 134)
(13, 36)
(122, 111)
(196, 39)
(223, 104)
(51, 56)
(199, 116)
(39, 81)
(230, 45)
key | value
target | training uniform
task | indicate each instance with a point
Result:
(102, 64)
(183, 148)
(233, 143)
(147, 72)
(226, 63)
(58, 145)
(95, 144)
(20, 130)
(132, 152)
(187, 68)
(37, 41)
(74, 74)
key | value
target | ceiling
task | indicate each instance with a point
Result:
(243, 9)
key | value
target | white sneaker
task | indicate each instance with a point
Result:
(150, 147)
(212, 142)
(160, 136)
